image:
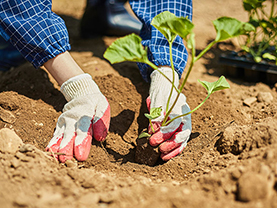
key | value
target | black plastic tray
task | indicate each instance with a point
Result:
(240, 67)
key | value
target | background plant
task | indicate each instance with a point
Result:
(261, 42)
(129, 48)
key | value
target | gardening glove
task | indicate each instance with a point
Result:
(86, 114)
(172, 138)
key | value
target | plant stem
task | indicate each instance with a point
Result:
(272, 8)
(168, 122)
(205, 50)
(152, 127)
(194, 59)
(182, 86)
(257, 14)
(177, 97)
(157, 68)
(173, 76)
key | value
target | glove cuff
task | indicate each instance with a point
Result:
(79, 85)
(160, 83)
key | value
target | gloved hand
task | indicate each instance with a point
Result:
(172, 139)
(86, 114)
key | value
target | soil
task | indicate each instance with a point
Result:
(230, 159)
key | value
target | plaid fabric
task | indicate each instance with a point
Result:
(157, 44)
(33, 29)
(40, 35)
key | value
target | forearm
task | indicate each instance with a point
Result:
(63, 67)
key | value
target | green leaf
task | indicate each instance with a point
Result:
(227, 27)
(273, 19)
(254, 22)
(154, 113)
(171, 26)
(257, 59)
(245, 48)
(269, 56)
(127, 48)
(182, 26)
(160, 23)
(267, 26)
(212, 87)
(252, 4)
(144, 134)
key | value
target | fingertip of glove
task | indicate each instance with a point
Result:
(82, 150)
(100, 133)
(166, 157)
(148, 102)
(66, 151)
(81, 156)
(101, 125)
(64, 158)
(100, 130)
(156, 139)
(170, 155)
(168, 146)
(159, 137)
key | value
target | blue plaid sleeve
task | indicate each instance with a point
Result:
(158, 47)
(32, 27)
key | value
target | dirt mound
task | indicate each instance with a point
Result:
(227, 145)
(237, 139)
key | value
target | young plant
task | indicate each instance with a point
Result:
(154, 113)
(129, 48)
(262, 42)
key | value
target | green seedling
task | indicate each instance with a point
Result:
(154, 113)
(260, 41)
(129, 48)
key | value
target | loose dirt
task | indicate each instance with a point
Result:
(230, 159)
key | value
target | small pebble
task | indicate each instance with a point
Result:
(265, 97)
(26, 148)
(7, 116)
(9, 141)
(236, 174)
(15, 163)
(107, 198)
(249, 101)
(71, 164)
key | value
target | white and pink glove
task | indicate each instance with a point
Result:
(86, 115)
(172, 139)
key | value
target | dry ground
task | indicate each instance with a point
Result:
(230, 160)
